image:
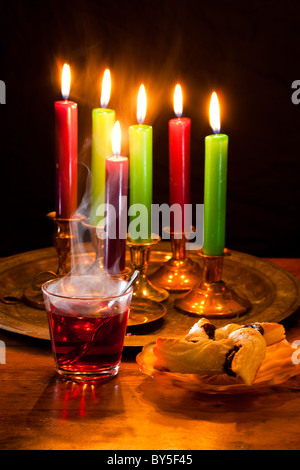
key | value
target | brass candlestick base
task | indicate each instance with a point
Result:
(33, 295)
(140, 257)
(179, 273)
(212, 298)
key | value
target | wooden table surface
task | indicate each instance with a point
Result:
(38, 410)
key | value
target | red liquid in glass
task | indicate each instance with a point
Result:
(87, 344)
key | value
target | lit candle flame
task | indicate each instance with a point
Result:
(214, 113)
(106, 89)
(66, 81)
(141, 105)
(116, 139)
(178, 101)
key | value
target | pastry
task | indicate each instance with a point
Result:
(237, 350)
(272, 332)
(203, 329)
(202, 357)
(250, 350)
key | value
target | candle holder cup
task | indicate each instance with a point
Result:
(212, 298)
(62, 240)
(180, 273)
(140, 258)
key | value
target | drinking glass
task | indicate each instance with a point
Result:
(87, 321)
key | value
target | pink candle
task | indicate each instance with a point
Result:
(179, 159)
(116, 189)
(66, 151)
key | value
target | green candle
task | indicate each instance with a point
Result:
(103, 121)
(215, 185)
(140, 173)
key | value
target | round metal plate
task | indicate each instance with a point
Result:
(273, 292)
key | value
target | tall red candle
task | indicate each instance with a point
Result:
(66, 130)
(179, 160)
(116, 190)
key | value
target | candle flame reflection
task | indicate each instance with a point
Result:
(214, 113)
(66, 81)
(106, 89)
(116, 139)
(141, 105)
(178, 101)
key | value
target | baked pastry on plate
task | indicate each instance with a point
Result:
(237, 350)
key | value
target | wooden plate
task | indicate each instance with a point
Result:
(273, 292)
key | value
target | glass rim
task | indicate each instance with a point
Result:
(93, 298)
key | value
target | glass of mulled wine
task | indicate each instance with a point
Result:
(87, 321)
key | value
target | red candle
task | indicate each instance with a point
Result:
(66, 123)
(179, 161)
(116, 189)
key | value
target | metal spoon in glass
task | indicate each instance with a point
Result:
(126, 288)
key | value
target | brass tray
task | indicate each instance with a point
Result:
(273, 292)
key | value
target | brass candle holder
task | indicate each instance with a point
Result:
(62, 240)
(212, 298)
(140, 258)
(180, 273)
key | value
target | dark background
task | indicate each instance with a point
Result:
(249, 52)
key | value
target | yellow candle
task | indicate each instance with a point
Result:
(103, 120)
